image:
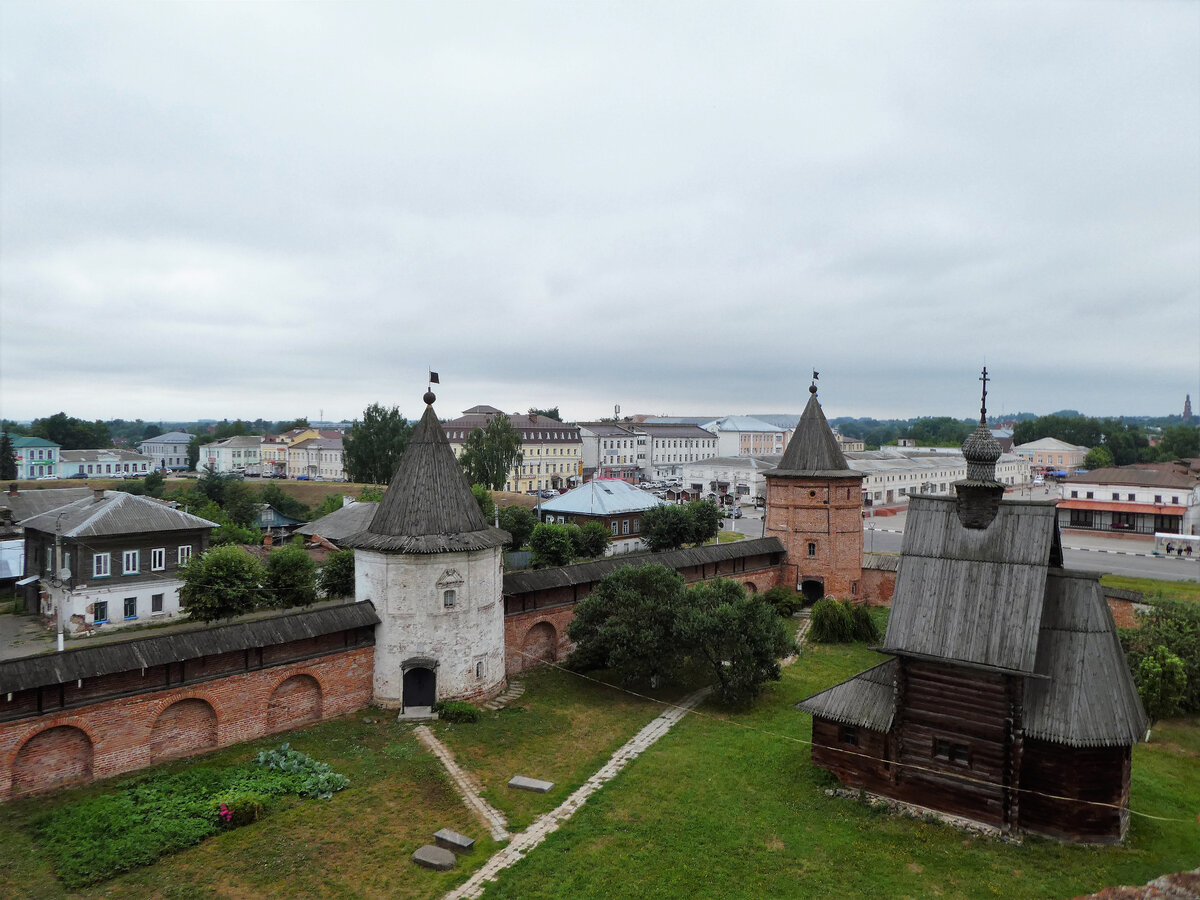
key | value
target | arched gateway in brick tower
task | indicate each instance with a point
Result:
(432, 566)
(814, 506)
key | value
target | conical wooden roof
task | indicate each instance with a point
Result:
(428, 507)
(813, 450)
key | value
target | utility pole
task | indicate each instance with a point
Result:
(58, 601)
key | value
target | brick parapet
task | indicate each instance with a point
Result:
(120, 731)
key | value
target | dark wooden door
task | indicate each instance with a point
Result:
(419, 687)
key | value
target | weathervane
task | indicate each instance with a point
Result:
(812, 388)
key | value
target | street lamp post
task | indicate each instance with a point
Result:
(871, 539)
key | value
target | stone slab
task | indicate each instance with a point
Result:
(452, 840)
(432, 857)
(530, 784)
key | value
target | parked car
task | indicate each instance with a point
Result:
(77, 475)
(302, 478)
(731, 512)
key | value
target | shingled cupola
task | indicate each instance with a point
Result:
(979, 494)
(433, 568)
(814, 506)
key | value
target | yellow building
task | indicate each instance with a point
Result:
(551, 451)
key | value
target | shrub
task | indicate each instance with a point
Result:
(225, 581)
(551, 545)
(456, 711)
(1174, 624)
(519, 522)
(783, 600)
(232, 809)
(336, 578)
(291, 578)
(840, 622)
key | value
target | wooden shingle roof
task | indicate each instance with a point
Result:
(1087, 697)
(813, 450)
(202, 640)
(428, 507)
(868, 699)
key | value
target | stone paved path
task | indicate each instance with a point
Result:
(550, 822)
(466, 784)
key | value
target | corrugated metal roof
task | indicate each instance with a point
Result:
(428, 507)
(27, 504)
(584, 573)
(972, 595)
(745, 423)
(813, 450)
(602, 497)
(203, 640)
(115, 513)
(171, 437)
(1088, 698)
(867, 700)
(341, 523)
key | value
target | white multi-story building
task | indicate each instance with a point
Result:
(670, 447)
(318, 459)
(612, 451)
(169, 451)
(729, 479)
(101, 463)
(748, 436)
(891, 474)
(1051, 454)
(241, 453)
(1145, 498)
(36, 457)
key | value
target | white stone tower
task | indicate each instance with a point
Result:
(432, 566)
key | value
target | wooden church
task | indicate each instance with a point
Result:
(1007, 699)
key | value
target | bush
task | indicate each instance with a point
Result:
(1174, 624)
(551, 545)
(840, 622)
(232, 809)
(291, 578)
(518, 522)
(224, 582)
(336, 578)
(783, 600)
(456, 711)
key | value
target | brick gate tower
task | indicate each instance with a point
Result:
(814, 506)
(432, 566)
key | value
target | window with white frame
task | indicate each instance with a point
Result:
(158, 559)
(101, 565)
(129, 562)
(184, 553)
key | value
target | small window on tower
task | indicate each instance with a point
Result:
(449, 598)
(812, 549)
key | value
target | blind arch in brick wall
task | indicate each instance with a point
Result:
(294, 701)
(185, 727)
(57, 756)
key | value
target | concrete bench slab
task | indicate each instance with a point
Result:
(530, 784)
(452, 840)
(432, 857)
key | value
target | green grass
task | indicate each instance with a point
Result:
(727, 805)
(1172, 590)
(722, 811)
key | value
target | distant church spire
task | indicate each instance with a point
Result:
(1187, 410)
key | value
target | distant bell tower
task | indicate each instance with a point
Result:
(814, 506)
(1187, 409)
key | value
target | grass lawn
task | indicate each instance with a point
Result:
(1172, 590)
(725, 806)
(722, 811)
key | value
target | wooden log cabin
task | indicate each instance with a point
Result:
(1007, 699)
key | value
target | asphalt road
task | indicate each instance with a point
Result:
(1088, 553)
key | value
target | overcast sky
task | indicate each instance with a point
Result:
(284, 209)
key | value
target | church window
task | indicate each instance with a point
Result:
(449, 598)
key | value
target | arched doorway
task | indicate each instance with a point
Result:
(420, 687)
(295, 701)
(813, 590)
(183, 728)
(541, 645)
(56, 756)
(751, 587)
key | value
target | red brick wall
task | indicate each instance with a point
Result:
(1123, 612)
(877, 587)
(516, 632)
(115, 736)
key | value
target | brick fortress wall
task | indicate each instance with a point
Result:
(97, 728)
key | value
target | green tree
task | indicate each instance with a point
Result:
(551, 545)
(1174, 624)
(736, 635)
(489, 453)
(8, 458)
(551, 413)
(1180, 442)
(224, 582)
(239, 502)
(940, 431)
(705, 519)
(336, 578)
(331, 503)
(71, 433)
(1098, 458)
(291, 578)
(590, 540)
(154, 483)
(628, 623)
(487, 505)
(1161, 683)
(667, 527)
(518, 522)
(373, 447)
(212, 484)
(193, 450)
(275, 496)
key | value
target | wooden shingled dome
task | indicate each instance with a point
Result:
(428, 507)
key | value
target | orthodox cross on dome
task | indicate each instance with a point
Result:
(983, 400)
